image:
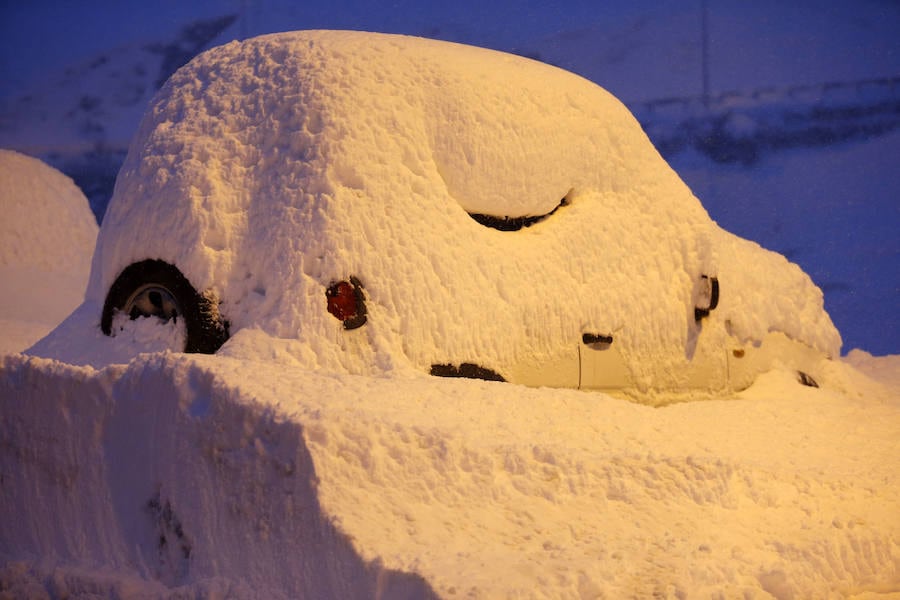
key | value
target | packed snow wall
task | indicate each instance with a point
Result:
(190, 476)
(159, 472)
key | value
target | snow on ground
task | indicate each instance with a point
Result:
(255, 479)
(47, 236)
(272, 471)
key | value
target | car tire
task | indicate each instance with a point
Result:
(154, 279)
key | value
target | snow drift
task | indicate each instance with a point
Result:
(47, 237)
(195, 476)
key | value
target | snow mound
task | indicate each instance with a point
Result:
(46, 220)
(47, 237)
(267, 169)
(196, 476)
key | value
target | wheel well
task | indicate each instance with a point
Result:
(206, 329)
(466, 370)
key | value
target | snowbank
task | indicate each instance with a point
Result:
(182, 475)
(267, 169)
(47, 236)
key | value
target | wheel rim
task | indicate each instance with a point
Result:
(152, 300)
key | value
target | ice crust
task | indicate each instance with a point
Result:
(267, 169)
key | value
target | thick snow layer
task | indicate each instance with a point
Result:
(267, 169)
(47, 236)
(304, 461)
(46, 221)
(206, 477)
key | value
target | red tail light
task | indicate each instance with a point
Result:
(347, 303)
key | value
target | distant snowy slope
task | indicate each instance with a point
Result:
(99, 102)
(81, 120)
(656, 50)
(638, 52)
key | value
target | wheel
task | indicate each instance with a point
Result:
(154, 288)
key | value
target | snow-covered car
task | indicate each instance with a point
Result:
(372, 203)
(47, 235)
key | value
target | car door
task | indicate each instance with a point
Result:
(705, 365)
(602, 365)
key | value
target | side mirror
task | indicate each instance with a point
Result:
(708, 298)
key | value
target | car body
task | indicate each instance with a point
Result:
(374, 203)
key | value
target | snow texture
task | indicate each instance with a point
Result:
(195, 476)
(305, 461)
(803, 73)
(266, 170)
(47, 237)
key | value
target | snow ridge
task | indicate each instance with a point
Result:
(190, 475)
